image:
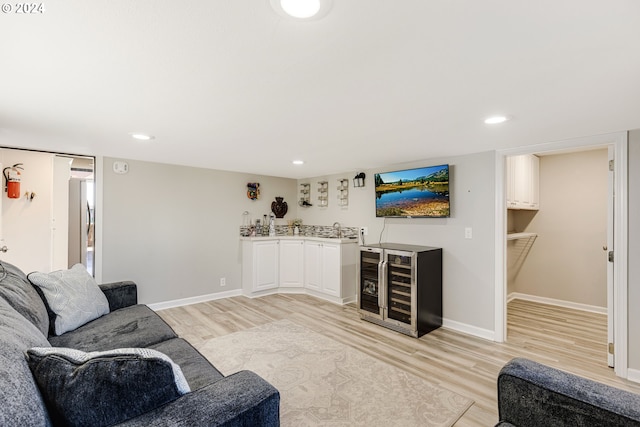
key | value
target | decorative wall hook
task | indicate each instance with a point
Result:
(253, 190)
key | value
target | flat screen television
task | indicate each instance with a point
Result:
(413, 193)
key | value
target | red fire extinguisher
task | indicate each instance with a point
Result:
(12, 177)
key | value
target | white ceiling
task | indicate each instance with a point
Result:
(232, 85)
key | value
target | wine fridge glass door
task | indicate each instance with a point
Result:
(369, 282)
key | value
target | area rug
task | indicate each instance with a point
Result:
(325, 383)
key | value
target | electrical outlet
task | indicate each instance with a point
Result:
(468, 233)
(223, 281)
(364, 231)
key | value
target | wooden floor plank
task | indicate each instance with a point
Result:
(568, 339)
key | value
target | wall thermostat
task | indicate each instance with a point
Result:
(120, 167)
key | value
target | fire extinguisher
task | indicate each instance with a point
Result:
(12, 177)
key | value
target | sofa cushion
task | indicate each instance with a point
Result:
(73, 295)
(198, 371)
(135, 326)
(104, 388)
(22, 403)
(22, 296)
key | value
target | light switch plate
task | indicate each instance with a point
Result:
(468, 233)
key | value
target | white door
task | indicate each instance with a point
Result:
(609, 249)
(292, 263)
(313, 265)
(60, 213)
(3, 246)
(265, 258)
(331, 269)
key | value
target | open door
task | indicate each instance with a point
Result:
(610, 256)
(3, 246)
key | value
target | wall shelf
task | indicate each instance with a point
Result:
(323, 194)
(305, 195)
(515, 236)
(343, 192)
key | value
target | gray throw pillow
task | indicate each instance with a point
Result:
(104, 388)
(73, 295)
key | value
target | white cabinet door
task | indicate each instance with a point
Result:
(522, 176)
(292, 263)
(313, 265)
(265, 265)
(331, 269)
(534, 182)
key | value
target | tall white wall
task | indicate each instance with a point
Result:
(468, 264)
(175, 230)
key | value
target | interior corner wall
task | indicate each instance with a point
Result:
(174, 230)
(634, 250)
(468, 264)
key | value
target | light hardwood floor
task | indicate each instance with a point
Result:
(567, 339)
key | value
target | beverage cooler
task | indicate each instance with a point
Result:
(400, 287)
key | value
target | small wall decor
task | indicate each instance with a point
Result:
(358, 180)
(343, 192)
(323, 193)
(253, 190)
(305, 198)
(279, 207)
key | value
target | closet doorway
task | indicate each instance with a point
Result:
(616, 241)
(557, 266)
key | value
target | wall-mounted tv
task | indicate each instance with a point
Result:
(413, 193)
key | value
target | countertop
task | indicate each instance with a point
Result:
(301, 237)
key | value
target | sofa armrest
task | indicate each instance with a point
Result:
(120, 294)
(532, 394)
(242, 399)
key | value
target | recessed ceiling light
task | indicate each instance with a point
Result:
(494, 120)
(141, 136)
(300, 8)
(305, 10)
(298, 162)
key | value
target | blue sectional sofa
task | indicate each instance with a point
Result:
(241, 399)
(532, 394)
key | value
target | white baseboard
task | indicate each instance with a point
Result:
(469, 329)
(194, 300)
(557, 302)
(633, 375)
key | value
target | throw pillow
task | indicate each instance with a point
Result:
(22, 295)
(73, 295)
(104, 388)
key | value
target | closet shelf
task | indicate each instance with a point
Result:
(514, 236)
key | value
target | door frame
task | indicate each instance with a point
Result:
(619, 143)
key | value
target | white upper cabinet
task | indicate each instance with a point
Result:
(523, 176)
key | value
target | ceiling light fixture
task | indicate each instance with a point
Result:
(298, 162)
(494, 120)
(141, 136)
(303, 10)
(300, 8)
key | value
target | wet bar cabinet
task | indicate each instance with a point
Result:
(400, 287)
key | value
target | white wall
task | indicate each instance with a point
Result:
(27, 224)
(174, 230)
(468, 265)
(567, 261)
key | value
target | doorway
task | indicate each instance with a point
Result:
(81, 248)
(617, 303)
(556, 252)
(35, 226)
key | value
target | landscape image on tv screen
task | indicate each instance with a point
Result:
(420, 192)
